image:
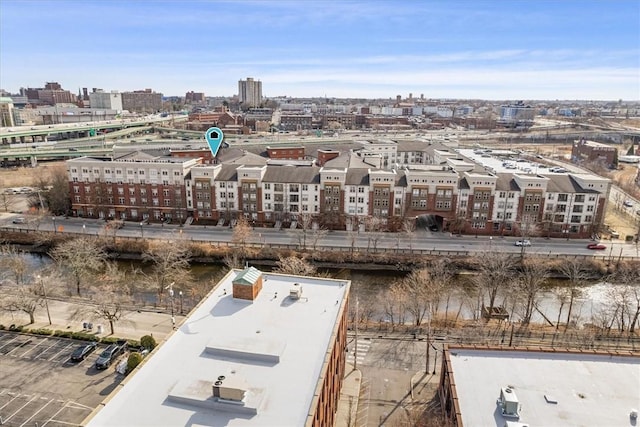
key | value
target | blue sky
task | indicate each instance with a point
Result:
(498, 50)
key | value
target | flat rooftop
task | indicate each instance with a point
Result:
(273, 347)
(590, 389)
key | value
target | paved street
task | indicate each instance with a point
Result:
(421, 239)
(391, 367)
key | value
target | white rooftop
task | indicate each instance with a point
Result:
(273, 348)
(590, 390)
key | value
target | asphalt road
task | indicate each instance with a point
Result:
(421, 239)
(39, 385)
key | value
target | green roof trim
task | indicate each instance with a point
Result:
(248, 276)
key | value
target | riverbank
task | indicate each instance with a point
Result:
(322, 258)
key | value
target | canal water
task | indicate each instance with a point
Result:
(368, 286)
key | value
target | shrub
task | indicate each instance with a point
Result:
(148, 342)
(109, 340)
(62, 334)
(133, 343)
(41, 331)
(84, 336)
(134, 360)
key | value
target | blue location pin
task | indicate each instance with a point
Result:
(214, 138)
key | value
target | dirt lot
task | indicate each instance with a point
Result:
(26, 177)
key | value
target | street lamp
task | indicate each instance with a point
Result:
(173, 319)
(181, 295)
(141, 231)
(53, 218)
(44, 294)
(490, 242)
(84, 228)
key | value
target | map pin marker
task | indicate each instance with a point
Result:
(214, 138)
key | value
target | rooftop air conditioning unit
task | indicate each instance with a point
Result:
(296, 291)
(229, 388)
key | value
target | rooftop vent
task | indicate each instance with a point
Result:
(508, 403)
(229, 388)
(296, 291)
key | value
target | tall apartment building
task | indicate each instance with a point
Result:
(345, 192)
(108, 100)
(516, 115)
(142, 101)
(250, 92)
(261, 349)
(192, 97)
(6, 112)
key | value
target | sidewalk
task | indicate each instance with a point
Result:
(347, 411)
(133, 325)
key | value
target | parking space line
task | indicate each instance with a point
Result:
(8, 342)
(20, 409)
(63, 349)
(33, 348)
(17, 347)
(12, 399)
(55, 344)
(55, 415)
(37, 412)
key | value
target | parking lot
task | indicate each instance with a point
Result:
(39, 385)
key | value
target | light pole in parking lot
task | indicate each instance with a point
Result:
(44, 294)
(181, 295)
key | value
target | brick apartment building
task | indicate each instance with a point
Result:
(344, 192)
(591, 152)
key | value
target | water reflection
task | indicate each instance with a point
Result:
(369, 284)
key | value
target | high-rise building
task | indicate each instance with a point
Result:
(142, 101)
(109, 100)
(250, 92)
(6, 112)
(192, 97)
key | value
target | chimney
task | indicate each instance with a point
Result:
(247, 284)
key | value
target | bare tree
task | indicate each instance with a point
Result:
(417, 286)
(393, 301)
(373, 225)
(111, 298)
(26, 298)
(241, 232)
(409, 228)
(295, 266)
(81, 257)
(576, 274)
(169, 263)
(627, 277)
(305, 222)
(530, 282)
(495, 272)
(9, 201)
(13, 265)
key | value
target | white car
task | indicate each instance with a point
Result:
(523, 243)
(628, 203)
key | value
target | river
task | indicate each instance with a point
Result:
(369, 285)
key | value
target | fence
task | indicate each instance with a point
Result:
(347, 249)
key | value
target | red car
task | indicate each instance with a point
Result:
(596, 246)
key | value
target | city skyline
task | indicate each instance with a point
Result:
(474, 50)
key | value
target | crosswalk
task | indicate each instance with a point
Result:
(363, 348)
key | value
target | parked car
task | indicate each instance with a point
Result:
(110, 354)
(523, 243)
(596, 246)
(19, 220)
(83, 351)
(628, 203)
